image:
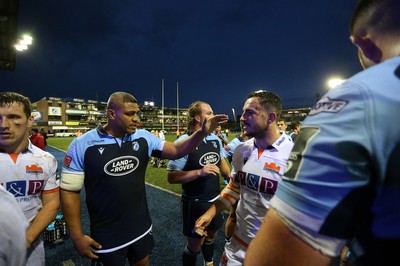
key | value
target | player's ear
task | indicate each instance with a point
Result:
(197, 118)
(367, 47)
(111, 113)
(31, 120)
(271, 117)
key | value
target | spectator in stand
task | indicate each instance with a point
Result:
(257, 168)
(161, 134)
(44, 134)
(343, 183)
(199, 173)
(37, 139)
(27, 172)
(294, 129)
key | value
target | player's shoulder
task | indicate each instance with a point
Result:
(212, 136)
(285, 140)
(383, 74)
(149, 136)
(246, 146)
(142, 131)
(85, 138)
(181, 137)
(36, 153)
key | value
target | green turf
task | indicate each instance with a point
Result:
(154, 175)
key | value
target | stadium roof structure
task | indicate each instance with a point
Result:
(8, 33)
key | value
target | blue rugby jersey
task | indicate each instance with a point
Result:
(209, 151)
(114, 182)
(343, 177)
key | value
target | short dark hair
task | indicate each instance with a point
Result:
(7, 98)
(119, 97)
(381, 16)
(294, 124)
(270, 101)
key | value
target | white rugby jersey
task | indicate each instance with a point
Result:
(27, 175)
(255, 180)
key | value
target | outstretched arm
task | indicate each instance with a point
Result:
(176, 150)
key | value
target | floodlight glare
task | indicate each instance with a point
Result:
(27, 39)
(334, 82)
(23, 43)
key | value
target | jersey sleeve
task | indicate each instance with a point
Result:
(178, 164)
(74, 158)
(156, 144)
(53, 181)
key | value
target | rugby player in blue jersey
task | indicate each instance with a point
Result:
(199, 173)
(342, 181)
(110, 163)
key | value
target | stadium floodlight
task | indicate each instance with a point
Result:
(26, 39)
(23, 43)
(334, 82)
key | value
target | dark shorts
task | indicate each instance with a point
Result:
(134, 252)
(191, 211)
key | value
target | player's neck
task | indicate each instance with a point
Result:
(15, 149)
(267, 140)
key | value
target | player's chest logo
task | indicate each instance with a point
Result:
(121, 166)
(209, 158)
(24, 188)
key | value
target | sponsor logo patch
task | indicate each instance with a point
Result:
(209, 158)
(67, 160)
(33, 169)
(121, 166)
(272, 167)
(25, 188)
(257, 183)
(327, 105)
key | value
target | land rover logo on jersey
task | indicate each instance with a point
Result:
(209, 158)
(327, 105)
(121, 166)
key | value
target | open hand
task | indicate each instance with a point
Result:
(211, 123)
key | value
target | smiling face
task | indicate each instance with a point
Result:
(14, 127)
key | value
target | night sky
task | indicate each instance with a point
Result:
(216, 51)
